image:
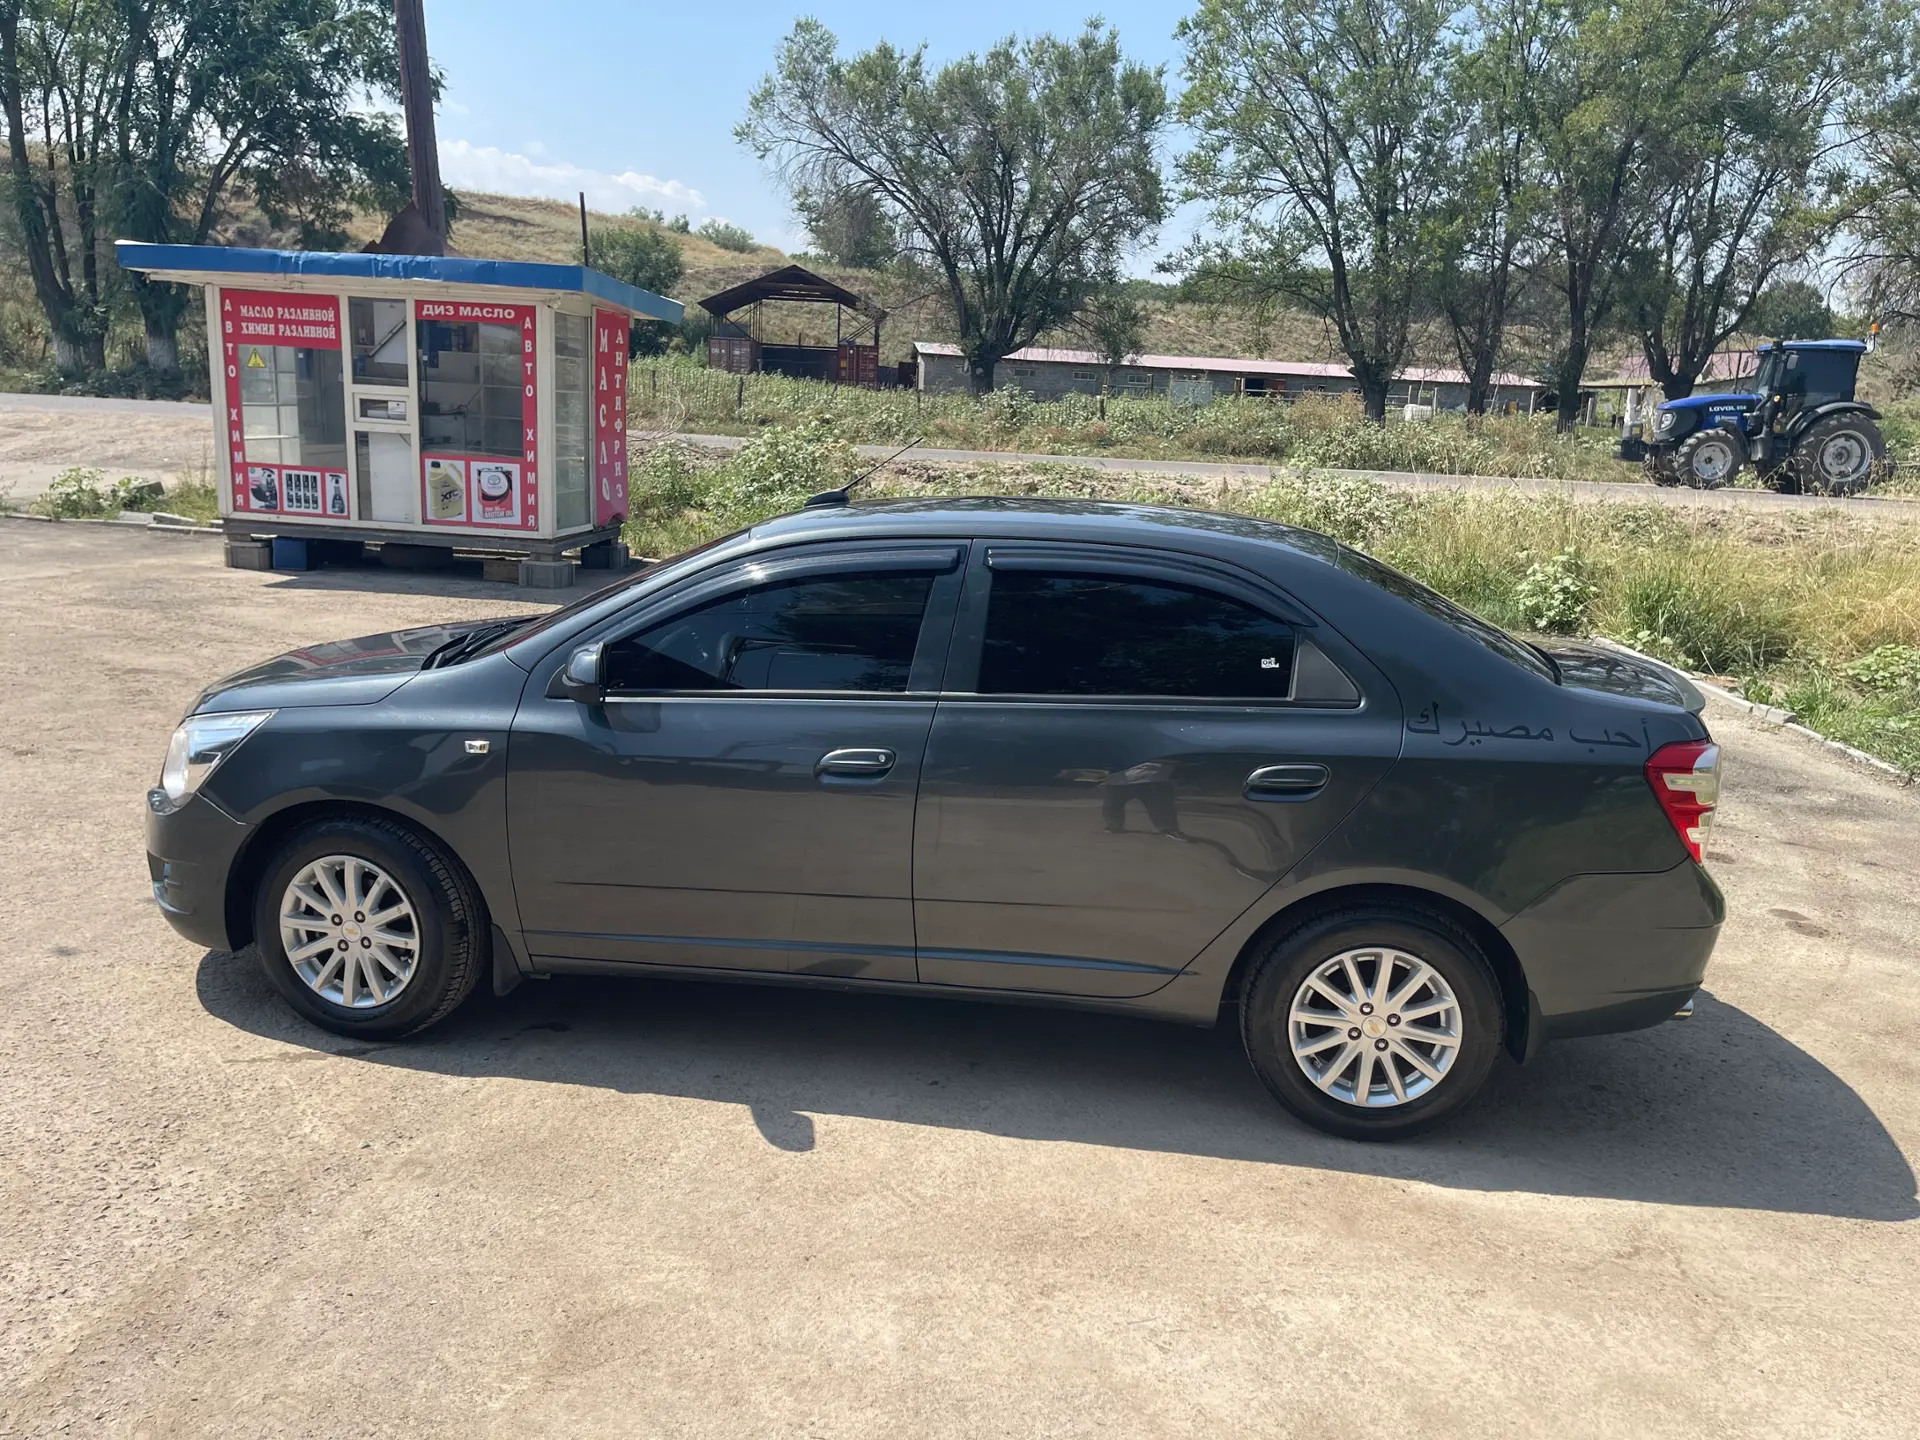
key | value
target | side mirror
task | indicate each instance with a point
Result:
(584, 676)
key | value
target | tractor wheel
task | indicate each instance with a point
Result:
(1657, 466)
(1707, 459)
(1840, 455)
(1782, 477)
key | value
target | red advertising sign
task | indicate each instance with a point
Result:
(610, 331)
(492, 492)
(252, 323)
(260, 317)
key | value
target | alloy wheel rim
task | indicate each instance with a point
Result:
(1375, 1027)
(349, 931)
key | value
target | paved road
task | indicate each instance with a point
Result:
(603, 1208)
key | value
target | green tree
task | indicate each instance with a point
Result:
(1022, 175)
(637, 254)
(62, 83)
(1881, 260)
(1612, 76)
(1793, 310)
(145, 117)
(1322, 125)
(849, 227)
(1489, 209)
(1114, 322)
(258, 96)
(1747, 177)
(727, 236)
(644, 256)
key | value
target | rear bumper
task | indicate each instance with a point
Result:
(1605, 953)
(190, 854)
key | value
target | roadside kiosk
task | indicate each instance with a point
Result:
(415, 400)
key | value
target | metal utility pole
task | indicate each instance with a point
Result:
(416, 102)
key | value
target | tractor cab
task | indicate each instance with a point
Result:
(1800, 425)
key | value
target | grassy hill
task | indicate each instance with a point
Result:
(500, 227)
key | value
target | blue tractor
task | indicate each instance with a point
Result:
(1801, 428)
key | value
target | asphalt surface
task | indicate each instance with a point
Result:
(603, 1207)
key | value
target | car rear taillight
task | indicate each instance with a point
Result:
(1686, 781)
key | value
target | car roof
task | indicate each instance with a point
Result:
(1164, 527)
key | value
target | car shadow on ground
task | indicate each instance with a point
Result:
(1719, 1110)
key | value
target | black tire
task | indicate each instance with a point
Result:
(1657, 467)
(1854, 434)
(1277, 976)
(1782, 477)
(454, 932)
(1701, 446)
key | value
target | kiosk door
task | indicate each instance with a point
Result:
(382, 411)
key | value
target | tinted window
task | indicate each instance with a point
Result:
(1069, 634)
(1818, 376)
(835, 632)
(1443, 609)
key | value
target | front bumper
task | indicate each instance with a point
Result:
(1605, 953)
(190, 855)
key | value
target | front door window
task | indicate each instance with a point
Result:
(839, 633)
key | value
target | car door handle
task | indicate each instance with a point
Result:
(868, 763)
(1286, 782)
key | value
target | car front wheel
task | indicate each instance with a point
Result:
(369, 930)
(1373, 1023)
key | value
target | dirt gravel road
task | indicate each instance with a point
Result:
(41, 435)
(681, 1210)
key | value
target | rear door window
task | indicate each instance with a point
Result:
(1084, 634)
(821, 633)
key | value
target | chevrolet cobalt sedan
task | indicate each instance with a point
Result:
(1151, 761)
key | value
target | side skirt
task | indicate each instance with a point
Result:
(1168, 1003)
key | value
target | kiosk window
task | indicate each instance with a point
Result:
(470, 388)
(293, 406)
(570, 356)
(379, 341)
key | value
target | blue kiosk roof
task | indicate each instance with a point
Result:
(435, 269)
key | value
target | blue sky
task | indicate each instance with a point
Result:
(636, 103)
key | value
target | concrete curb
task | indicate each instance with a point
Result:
(1770, 715)
(152, 524)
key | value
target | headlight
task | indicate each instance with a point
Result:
(200, 744)
(1667, 417)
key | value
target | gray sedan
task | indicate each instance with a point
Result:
(1170, 763)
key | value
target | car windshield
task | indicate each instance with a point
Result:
(1465, 622)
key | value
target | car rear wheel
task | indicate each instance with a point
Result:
(369, 930)
(1372, 1023)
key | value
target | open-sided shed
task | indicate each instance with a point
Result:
(415, 399)
(740, 345)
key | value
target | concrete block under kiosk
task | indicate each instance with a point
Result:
(405, 400)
